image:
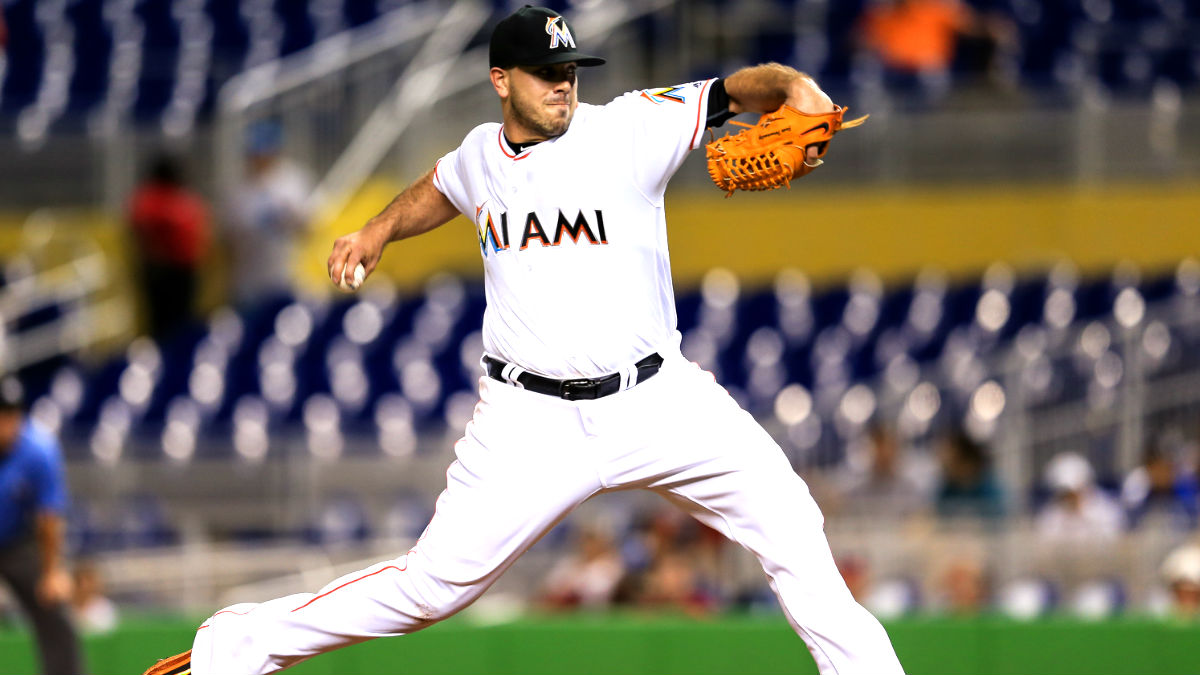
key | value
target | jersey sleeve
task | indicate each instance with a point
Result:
(447, 178)
(452, 174)
(666, 123)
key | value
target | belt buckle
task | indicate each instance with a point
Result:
(575, 390)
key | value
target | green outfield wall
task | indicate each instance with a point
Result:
(666, 646)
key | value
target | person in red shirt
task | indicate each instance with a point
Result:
(170, 224)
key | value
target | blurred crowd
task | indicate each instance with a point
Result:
(1070, 502)
(667, 562)
(1073, 514)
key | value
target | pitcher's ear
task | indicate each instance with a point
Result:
(500, 81)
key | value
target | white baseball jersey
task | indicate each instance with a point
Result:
(573, 231)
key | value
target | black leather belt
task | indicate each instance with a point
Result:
(572, 390)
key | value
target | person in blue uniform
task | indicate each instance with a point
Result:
(33, 502)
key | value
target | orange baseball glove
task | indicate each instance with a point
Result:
(772, 153)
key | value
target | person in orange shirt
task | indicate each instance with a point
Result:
(915, 35)
(922, 37)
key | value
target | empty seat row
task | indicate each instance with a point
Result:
(322, 371)
(156, 57)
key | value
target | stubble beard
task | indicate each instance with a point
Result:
(537, 120)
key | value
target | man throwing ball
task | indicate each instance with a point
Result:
(584, 388)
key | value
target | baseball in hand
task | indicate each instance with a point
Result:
(352, 285)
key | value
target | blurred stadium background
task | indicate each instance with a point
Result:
(1005, 253)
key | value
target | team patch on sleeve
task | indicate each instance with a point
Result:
(677, 94)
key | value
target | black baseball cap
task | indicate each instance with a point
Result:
(535, 36)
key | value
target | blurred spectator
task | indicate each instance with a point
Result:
(171, 228)
(652, 534)
(587, 578)
(714, 579)
(857, 575)
(672, 582)
(33, 501)
(94, 613)
(267, 217)
(888, 488)
(671, 565)
(968, 486)
(916, 41)
(885, 596)
(1078, 512)
(1181, 572)
(1160, 490)
(964, 588)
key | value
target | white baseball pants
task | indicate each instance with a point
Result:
(525, 461)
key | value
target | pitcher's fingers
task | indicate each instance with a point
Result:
(337, 262)
(369, 263)
(352, 261)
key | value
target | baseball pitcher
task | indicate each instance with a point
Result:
(584, 389)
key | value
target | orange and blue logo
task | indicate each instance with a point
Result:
(657, 96)
(486, 228)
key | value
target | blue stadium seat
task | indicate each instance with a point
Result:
(1132, 11)
(84, 534)
(242, 369)
(342, 520)
(827, 365)
(405, 519)
(894, 308)
(828, 306)
(358, 12)
(142, 523)
(160, 55)
(177, 355)
(93, 50)
(297, 26)
(840, 21)
(1025, 305)
(1044, 34)
(26, 53)
(229, 30)
(100, 385)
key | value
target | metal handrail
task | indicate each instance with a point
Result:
(75, 285)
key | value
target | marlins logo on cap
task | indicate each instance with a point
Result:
(557, 29)
(520, 40)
